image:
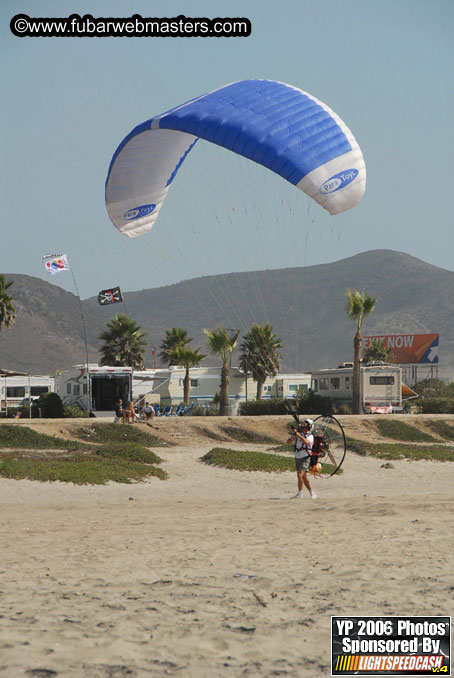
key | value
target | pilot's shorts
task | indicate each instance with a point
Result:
(302, 463)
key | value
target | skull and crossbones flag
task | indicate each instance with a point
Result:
(110, 296)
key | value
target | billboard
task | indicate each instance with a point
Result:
(414, 349)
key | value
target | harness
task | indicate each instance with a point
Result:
(318, 449)
(299, 445)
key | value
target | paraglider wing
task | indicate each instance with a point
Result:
(274, 124)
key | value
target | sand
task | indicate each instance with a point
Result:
(215, 573)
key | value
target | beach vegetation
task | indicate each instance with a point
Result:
(72, 412)
(187, 357)
(124, 343)
(308, 403)
(7, 308)
(117, 433)
(260, 355)
(400, 451)
(251, 408)
(313, 403)
(436, 405)
(400, 430)
(248, 460)
(222, 344)
(243, 435)
(209, 433)
(433, 388)
(442, 428)
(128, 451)
(208, 409)
(17, 436)
(378, 351)
(174, 338)
(357, 306)
(80, 469)
(50, 406)
(28, 456)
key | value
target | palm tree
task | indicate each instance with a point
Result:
(188, 357)
(219, 343)
(260, 354)
(173, 339)
(124, 343)
(7, 308)
(358, 305)
(377, 351)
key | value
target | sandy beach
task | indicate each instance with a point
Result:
(215, 572)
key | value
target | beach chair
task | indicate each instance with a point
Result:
(156, 411)
(177, 411)
(167, 411)
(187, 409)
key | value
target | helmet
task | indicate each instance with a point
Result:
(309, 422)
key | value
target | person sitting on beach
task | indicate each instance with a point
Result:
(118, 411)
(129, 413)
(303, 440)
(148, 411)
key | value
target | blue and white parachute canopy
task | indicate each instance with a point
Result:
(276, 125)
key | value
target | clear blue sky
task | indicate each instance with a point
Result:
(385, 67)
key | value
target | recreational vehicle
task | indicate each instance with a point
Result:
(291, 385)
(205, 383)
(380, 385)
(18, 390)
(165, 386)
(96, 389)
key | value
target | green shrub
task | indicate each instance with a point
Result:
(436, 405)
(252, 408)
(400, 451)
(245, 436)
(78, 469)
(432, 388)
(342, 408)
(22, 437)
(248, 460)
(208, 410)
(313, 403)
(443, 429)
(70, 412)
(118, 433)
(128, 451)
(399, 430)
(51, 406)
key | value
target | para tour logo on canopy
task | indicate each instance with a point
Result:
(409, 349)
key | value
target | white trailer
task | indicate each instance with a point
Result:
(166, 385)
(380, 384)
(95, 389)
(17, 390)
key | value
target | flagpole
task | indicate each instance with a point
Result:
(85, 340)
(60, 263)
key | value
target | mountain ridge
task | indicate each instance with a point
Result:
(305, 306)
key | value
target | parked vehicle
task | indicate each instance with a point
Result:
(94, 389)
(17, 391)
(381, 386)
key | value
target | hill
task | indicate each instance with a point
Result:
(305, 306)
